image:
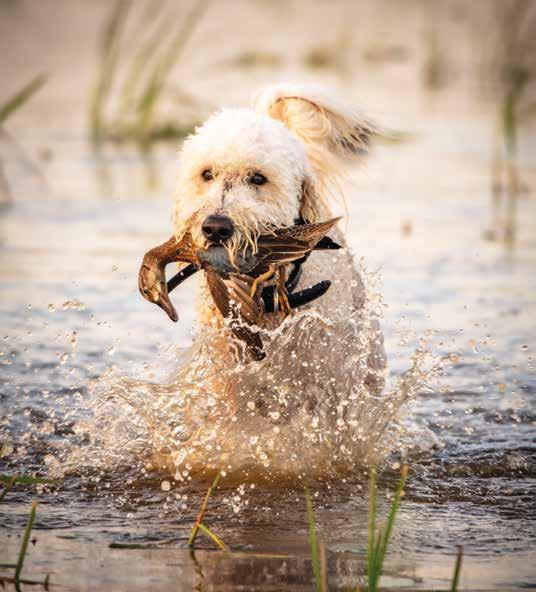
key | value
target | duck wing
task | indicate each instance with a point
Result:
(309, 233)
(286, 245)
(231, 297)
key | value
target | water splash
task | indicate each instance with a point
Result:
(315, 408)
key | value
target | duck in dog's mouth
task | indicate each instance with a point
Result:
(237, 284)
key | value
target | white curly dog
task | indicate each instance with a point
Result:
(249, 170)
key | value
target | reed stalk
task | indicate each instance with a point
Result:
(24, 545)
(203, 509)
(7, 487)
(27, 480)
(144, 76)
(162, 69)
(457, 570)
(213, 536)
(21, 97)
(313, 544)
(109, 61)
(378, 542)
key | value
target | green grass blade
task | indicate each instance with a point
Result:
(214, 537)
(25, 541)
(201, 515)
(7, 488)
(313, 542)
(15, 102)
(457, 570)
(27, 480)
(378, 542)
(383, 541)
(372, 546)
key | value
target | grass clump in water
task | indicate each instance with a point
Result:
(17, 578)
(512, 71)
(378, 539)
(8, 108)
(135, 78)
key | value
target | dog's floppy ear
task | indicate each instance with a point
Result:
(330, 129)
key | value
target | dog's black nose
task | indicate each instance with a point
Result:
(218, 228)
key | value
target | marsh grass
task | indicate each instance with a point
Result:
(434, 70)
(377, 542)
(25, 541)
(20, 98)
(27, 480)
(199, 524)
(378, 539)
(17, 578)
(251, 58)
(145, 70)
(313, 543)
(8, 108)
(512, 71)
(108, 64)
(334, 56)
(457, 570)
(8, 485)
(9, 481)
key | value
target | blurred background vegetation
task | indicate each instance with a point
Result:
(127, 80)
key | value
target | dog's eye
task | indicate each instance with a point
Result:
(207, 175)
(258, 179)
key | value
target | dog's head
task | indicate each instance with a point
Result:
(241, 173)
(246, 171)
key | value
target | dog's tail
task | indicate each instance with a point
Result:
(331, 130)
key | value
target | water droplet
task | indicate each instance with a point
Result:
(74, 304)
(165, 485)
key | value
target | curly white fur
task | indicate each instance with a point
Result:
(297, 137)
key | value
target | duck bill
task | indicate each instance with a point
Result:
(165, 304)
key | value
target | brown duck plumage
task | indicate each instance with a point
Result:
(236, 295)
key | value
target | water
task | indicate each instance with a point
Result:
(71, 315)
(80, 348)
